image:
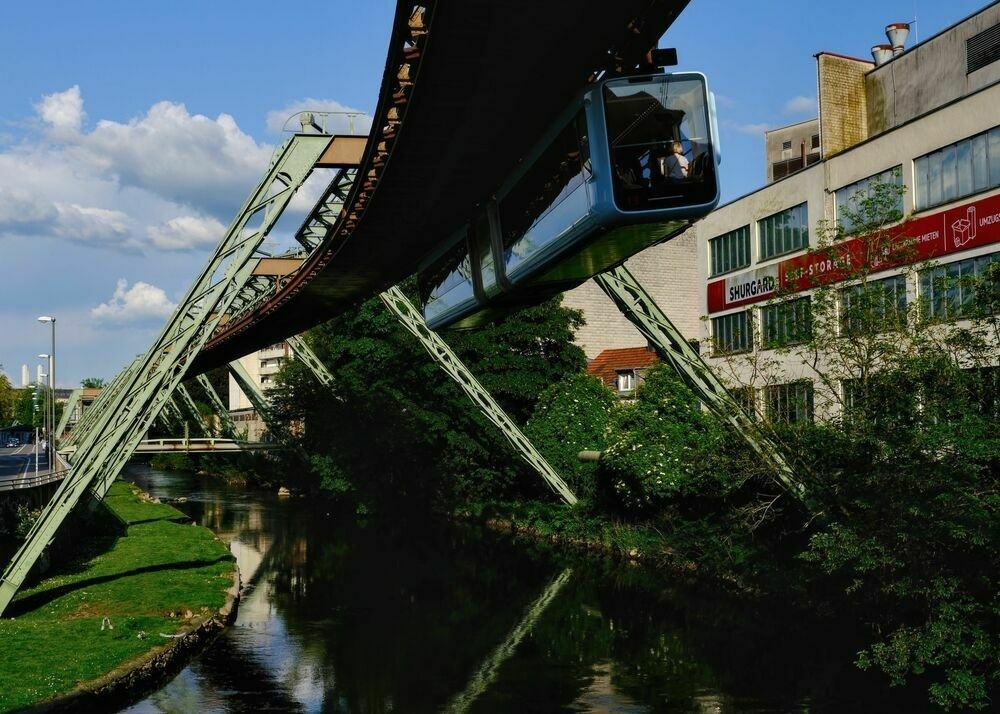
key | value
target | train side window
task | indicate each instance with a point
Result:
(548, 199)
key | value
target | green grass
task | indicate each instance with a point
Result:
(146, 582)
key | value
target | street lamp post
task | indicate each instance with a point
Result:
(49, 409)
(52, 384)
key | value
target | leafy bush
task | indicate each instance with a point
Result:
(571, 416)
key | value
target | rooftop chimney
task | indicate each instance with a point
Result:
(897, 33)
(881, 54)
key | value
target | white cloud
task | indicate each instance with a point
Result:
(18, 207)
(140, 303)
(336, 121)
(63, 111)
(801, 105)
(186, 233)
(208, 164)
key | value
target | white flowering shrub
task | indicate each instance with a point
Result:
(571, 416)
(663, 448)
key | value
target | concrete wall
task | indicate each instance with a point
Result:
(929, 75)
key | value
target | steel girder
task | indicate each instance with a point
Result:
(304, 353)
(412, 320)
(192, 409)
(250, 388)
(107, 393)
(228, 425)
(125, 419)
(312, 232)
(637, 305)
(68, 410)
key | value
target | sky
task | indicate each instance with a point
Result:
(132, 132)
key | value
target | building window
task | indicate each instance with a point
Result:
(958, 170)
(814, 142)
(786, 323)
(786, 146)
(857, 208)
(790, 403)
(730, 251)
(947, 292)
(625, 381)
(784, 232)
(876, 306)
(732, 333)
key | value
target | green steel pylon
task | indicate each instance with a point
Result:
(68, 410)
(412, 320)
(251, 389)
(107, 393)
(126, 418)
(191, 409)
(228, 425)
(637, 305)
(304, 353)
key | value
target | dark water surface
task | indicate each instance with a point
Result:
(339, 615)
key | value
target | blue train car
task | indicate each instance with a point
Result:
(630, 164)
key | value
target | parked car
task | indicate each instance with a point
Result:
(12, 443)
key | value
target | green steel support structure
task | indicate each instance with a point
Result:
(412, 320)
(124, 419)
(304, 353)
(228, 425)
(191, 409)
(68, 410)
(250, 388)
(637, 305)
(106, 395)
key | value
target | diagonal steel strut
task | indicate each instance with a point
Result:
(637, 305)
(123, 420)
(412, 320)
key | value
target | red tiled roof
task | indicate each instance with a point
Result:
(609, 362)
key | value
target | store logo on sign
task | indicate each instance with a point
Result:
(749, 286)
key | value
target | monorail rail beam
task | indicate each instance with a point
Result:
(637, 305)
(412, 320)
(126, 418)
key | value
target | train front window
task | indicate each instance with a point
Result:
(660, 142)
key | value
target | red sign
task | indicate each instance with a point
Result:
(952, 231)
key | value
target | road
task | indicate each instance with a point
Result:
(17, 466)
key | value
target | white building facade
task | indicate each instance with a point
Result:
(928, 117)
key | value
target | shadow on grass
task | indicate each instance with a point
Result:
(37, 600)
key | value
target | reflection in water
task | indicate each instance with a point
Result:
(341, 616)
(487, 672)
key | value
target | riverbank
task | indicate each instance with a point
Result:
(137, 601)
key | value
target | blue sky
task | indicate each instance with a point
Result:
(131, 132)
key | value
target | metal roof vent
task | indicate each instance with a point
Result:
(881, 54)
(897, 33)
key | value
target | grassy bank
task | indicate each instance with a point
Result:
(114, 602)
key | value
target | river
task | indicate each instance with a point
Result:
(341, 614)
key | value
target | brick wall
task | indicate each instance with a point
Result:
(669, 273)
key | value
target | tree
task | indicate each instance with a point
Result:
(394, 426)
(92, 383)
(906, 449)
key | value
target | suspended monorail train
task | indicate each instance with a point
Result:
(629, 164)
